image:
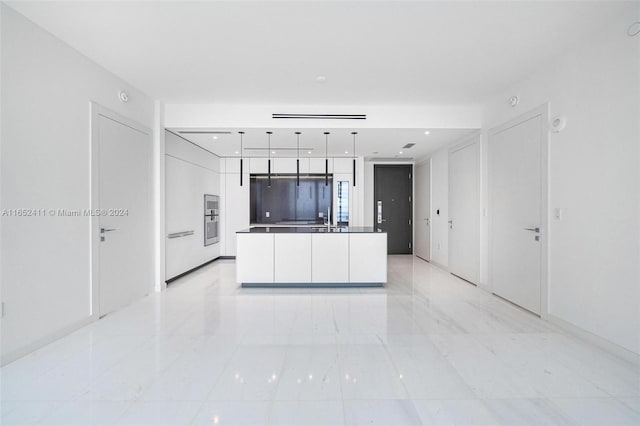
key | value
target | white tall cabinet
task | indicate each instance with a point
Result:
(191, 172)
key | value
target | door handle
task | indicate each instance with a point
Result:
(536, 229)
(103, 230)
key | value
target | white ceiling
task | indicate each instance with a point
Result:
(370, 143)
(388, 53)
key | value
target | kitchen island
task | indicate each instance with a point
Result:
(311, 257)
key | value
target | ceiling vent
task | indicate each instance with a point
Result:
(204, 132)
(322, 116)
(409, 145)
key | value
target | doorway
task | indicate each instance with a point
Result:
(464, 210)
(423, 210)
(518, 223)
(393, 205)
(122, 233)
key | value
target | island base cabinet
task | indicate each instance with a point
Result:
(330, 258)
(368, 258)
(292, 258)
(254, 259)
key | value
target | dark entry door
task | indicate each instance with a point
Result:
(392, 208)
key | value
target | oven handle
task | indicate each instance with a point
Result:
(180, 234)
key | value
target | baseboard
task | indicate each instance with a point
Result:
(31, 347)
(439, 265)
(192, 269)
(596, 340)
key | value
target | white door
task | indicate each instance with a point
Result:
(464, 211)
(422, 218)
(515, 197)
(125, 223)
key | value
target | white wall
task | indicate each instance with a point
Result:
(46, 90)
(191, 172)
(594, 280)
(378, 116)
(440, 201)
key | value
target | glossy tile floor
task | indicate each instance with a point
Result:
(426, 349)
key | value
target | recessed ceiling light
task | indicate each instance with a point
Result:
(321, 79)
(427, 132)
(308, 152)
(346, 152)
(215, 137)
(399, 152)
(273, 152)
(237, 152)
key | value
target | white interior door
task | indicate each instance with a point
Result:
(464, 212)
(515, 194)
(125, 223)
(422, 202)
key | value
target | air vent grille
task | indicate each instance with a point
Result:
(322, 116)
(409, 145)
(204, 132)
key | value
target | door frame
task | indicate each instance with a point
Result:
(96, 111)
(543, 112)
(475, 138)
(427, 161)
(412, 166)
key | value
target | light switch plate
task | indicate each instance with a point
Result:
(557, 213)
(267, 214)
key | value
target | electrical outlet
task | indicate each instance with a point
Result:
(267, 214)
(321, 214)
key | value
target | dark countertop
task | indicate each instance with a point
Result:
(308, 230)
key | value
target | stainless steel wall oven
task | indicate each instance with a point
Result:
(211, 219)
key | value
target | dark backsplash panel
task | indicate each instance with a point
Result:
(288, 203)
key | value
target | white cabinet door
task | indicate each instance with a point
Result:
(236, 209)
(368, 258)
(255, 256)
(330, 261)
(292, 258)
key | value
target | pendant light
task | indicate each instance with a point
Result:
(354, 157)
(269, 161)
(298, 159)
(241, 135)
(326, 159)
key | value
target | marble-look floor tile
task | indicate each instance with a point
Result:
(459, 412)
(166, 413)
(252, 373)
(367, 371)
(306, 413)
(426, 348)
(485, 373)
(233, 413)
(86, 413)
(25, 412)
(397, 412)
(597, 411)
(310, 373)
